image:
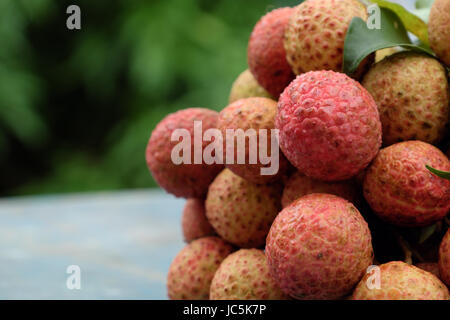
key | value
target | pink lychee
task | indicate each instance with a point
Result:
(329, 125)
(193, 269)
(319, 247)
(402, 191)
(194, 222)
(182, 180)
(266, 54)
(257, 115)
(299, 185)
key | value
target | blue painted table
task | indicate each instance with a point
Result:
(123, 243)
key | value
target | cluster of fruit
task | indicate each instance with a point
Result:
(353, 150)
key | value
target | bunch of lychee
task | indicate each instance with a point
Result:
(350, 150)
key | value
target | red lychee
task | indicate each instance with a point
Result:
(402, 191)
(182, 180)
(329, 125)
(319, 247)
(194, 222)
(266, 54)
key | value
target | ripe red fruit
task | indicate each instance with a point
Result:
(402, 191)
(182, 180)
(266, 54)
(319, 247)
(329, 125)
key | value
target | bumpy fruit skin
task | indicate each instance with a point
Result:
(193, 222)
(244, 275)
(193, 269)
(439, 29)
(402, 191)
(184, 180)
(329, 125)
(252, 113)
(411, 92)
(319, 247)
(401, 281)
(444, 258)
(266, 54)
(240, 211)
(431, 267)
(299, 185)
(314, 37)
(246, 86)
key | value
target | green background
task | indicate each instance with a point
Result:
(77, 107)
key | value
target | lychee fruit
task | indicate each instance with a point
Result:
(400, 189)
(315, 35)
(431, 267)
(400, 281)
(439, 29)
(194, 223)
(444, 258)
(244, 275)
(319, 247)
(411, 92)
(255, 117)
(193, 269)
(241, 211)
(329, 125)
(246, 86)
(266, 54)
(299, 185)
(182, 180)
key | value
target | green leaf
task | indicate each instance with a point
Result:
(361, 41)
(411, 22)
(439, 173)
(426, 233)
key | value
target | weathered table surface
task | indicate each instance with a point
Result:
(123, 243)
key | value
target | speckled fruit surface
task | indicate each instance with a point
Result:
(329, 125)
(402, 191)
(266, 54)
(244, 275)
(252, 114)
(193, 269)
(411, 92)
(319, 247)
(431, 267)
(439, 29)
(240, 211)
(444, 258)
(401, 281)
(299, 185)
(246, 86)
(314, 38)
(193, 221)
(184, 180)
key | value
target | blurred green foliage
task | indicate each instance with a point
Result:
(77, 107)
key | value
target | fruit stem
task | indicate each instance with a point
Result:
(405, 248)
